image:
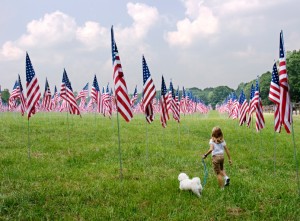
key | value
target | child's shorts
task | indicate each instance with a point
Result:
(218, 163)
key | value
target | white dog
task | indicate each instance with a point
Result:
(190, 184)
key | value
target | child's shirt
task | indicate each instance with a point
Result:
(218, 147)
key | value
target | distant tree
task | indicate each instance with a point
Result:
(5, 95)
(293, 70)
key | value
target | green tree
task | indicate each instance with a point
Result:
(5, 95)
(293, 70)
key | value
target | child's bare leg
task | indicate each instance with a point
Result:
(222, 172)
(220, 180)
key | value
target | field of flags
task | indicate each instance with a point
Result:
(278, 94)
(116, 100)
(107, 101)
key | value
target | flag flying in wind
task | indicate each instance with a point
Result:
(95, 94)
(148, 92)
(32, 87)
(251, 106)
(285, 104)
(84, 92)
(172, 101)
(46, 104)
(13, 96)
(177, 107)
(121, 94)
(54, 99)
(66, 93)
(243, 108)
(260, 121)
(274, 96)
(134, 97)
(164, 116)
(22, 98)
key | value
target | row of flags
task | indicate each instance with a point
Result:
(278, 94)
(105, 102)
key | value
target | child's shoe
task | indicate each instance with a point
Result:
(227, 181)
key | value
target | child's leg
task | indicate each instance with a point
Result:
(220, 180)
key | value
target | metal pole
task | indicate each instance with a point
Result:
(120, 151)
(28, 142)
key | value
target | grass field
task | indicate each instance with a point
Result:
(74, 169)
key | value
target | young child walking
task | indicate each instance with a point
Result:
(217, 146)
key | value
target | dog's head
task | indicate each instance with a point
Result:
(182, 176)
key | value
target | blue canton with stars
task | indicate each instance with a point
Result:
(146, 72)
(275, 77)
(66, 80)
(20, 84)
(281, 48)
(95, 84)
(29, 69)
(163, 87)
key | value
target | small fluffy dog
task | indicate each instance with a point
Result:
(190, 184)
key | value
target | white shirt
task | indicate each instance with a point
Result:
(218, 147)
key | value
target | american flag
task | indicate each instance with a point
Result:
(106, 101)
(148, 92)
(176, 115)
(285, 103)
(164, 116)
(22, 98)
(54, 99)
(103, 95)
(84, 92)
(95, 94)
(183, 102)
(243, 108)
(82, 96)
(260, 121)
(134, 97)
(46, 104)
(172, 100)
(13, 96)
(32, 87)
(274, 96)
(66, 93)
(234, 111)
(251, 106)
(122, 99)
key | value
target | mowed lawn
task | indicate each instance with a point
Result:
(69, 168)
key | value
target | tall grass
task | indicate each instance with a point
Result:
(74, 169)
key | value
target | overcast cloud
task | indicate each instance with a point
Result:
(194, 43)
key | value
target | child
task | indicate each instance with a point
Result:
(217, 147)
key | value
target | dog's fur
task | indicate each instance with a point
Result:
(190, 184)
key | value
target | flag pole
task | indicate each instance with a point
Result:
(296, 161)
(147, 154)
(274, 152)
(28, 141)
(68, 128)
(119, 142)
(179, 133)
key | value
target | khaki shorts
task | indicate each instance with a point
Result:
(218, 163)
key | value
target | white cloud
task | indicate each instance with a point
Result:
(144, 17)
(54, 28)
(241, 6)
(11, 52)
(199, 23)
(93, 35)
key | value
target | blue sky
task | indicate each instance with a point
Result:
(194, 43)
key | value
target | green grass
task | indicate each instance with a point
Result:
(74, 169)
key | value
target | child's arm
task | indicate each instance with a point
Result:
(228, 155)
(211, 148)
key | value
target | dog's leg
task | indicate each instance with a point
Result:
(197, 192)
